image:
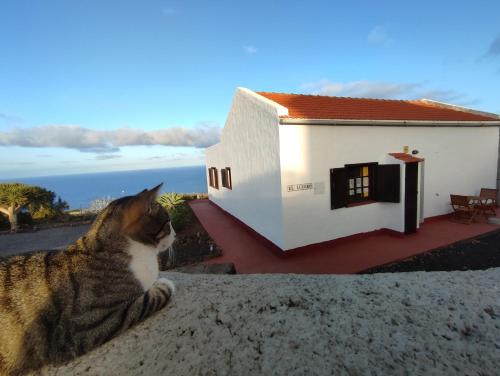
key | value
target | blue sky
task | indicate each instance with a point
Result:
(157, 77)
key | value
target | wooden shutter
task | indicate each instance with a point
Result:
(387, 183)
(223, 177)
(210, 180)
(338, 188)
(229, 181)
(216, 179)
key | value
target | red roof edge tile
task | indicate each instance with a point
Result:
(303, 106)
(407, 158)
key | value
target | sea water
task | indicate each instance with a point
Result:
(80, 190)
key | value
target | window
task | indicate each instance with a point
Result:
(360, 182)
(213, 177)
(226, 178)
(364, 182)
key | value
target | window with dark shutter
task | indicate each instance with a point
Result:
(223, 177)
(213, 177)
(387, 187)
(216, 179)
(338, 187)
(226, 178)
(210, 178)
(364, 182)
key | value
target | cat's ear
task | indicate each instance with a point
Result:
(156, 190)
(149, 195)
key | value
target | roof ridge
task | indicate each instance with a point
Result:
(455, 107)
(338, 97)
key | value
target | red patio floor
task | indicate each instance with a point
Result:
(252, 254)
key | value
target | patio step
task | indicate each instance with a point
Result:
(494, 220)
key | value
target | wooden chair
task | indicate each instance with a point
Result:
(463, 210)
(488, 200)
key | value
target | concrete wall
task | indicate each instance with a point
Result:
(250, 147)
(436, 323)
(457, 160)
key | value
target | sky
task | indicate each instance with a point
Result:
(100, 85)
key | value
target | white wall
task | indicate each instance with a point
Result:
(250, 147)
(457, 160)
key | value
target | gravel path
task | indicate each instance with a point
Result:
(53, 238)
(439, 323)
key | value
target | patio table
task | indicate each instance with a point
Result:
(478, 201)
(474, 199)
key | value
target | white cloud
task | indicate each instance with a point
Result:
(384, 90)
(170, 158)
(105, 157)
(443, 96)
(379, 35)
(250, 50)
(367, 89)
(95, 141)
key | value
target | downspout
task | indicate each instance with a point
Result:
(498, 170)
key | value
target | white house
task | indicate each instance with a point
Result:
(304, 169)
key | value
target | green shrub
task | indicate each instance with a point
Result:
(25, 218)
(4, 222)
(181, 216)
(179, 211)
(170, 200)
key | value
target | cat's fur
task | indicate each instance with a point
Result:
(57, 305)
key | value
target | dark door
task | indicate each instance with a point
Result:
(411, 195)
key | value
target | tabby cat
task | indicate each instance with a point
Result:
(57, 305)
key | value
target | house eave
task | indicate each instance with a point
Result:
(394, 123)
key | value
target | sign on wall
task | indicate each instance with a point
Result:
(299, 187)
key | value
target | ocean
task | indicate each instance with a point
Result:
(80, 190)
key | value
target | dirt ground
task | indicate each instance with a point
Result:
(192, 245)
(482, 252)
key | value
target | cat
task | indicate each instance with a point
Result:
(57, 305)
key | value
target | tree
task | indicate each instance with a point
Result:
(39, 201)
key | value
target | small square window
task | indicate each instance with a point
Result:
(359, 181)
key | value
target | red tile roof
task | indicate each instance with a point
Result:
(324, 107)
(407, 158)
